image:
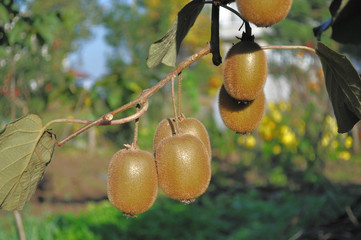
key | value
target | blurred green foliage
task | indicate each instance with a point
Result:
(35, 40)
(230, 215)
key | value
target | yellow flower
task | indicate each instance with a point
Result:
(344, 155)
(276, 149)
(267, 135)
(154, 3)
(325, 140)
(266, 132)
(272, 125)
(348, 142)
(266, 128)
(287, 136)
(271, 106)
(250, 141)
(87, 101)
(332, 124)
(276, 115)
(334, 144)
(284, 106)
(301, 128)
(241, 140)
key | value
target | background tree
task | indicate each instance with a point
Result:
(36, 38)
(128, 73)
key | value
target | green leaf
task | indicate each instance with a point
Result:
(114, 98)
(346, 26)
(4, 14)
(343, 85)
(25, 150)
(15, 33)
(166, 49)
(46, 26)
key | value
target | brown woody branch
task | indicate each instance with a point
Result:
(141, 100)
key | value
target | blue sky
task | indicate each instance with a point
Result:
(90, 58)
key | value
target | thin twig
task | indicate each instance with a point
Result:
(351, 216)
(144, 96)
(107, 121)
(233, 11)
(136, 128)
(19, 224)
(289, 48)
(174, 107)
(297, 235)
(180, 93)
(98, 123)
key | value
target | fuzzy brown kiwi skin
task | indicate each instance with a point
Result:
(245, 70)
(241, 117)
(183, 167)
(132, 183)
(193, 126)
(264, 13)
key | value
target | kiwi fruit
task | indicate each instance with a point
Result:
(167, 128)
(240, 116)
(132, 181)
(183, 167)
(264, 13)
(245, 70)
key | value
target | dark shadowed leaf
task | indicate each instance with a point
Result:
(25, 150)
(343, 85)
(166, 49)
(345, 22)
(335, 7)
(346, 26)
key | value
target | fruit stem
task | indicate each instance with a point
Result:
(106, 120)
(174, 107)
(179, 93)
(248, 29)
(289, 48)
(233, 11)
(136, 129)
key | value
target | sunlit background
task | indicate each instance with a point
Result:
(289, 179)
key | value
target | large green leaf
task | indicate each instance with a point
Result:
(343, 85)
(25, 150)
(166, 49)
(15, 35)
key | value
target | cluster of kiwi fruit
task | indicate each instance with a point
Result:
(181, 159)
(241, 97)
(180, 165)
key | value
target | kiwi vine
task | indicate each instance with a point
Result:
(181, 160)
